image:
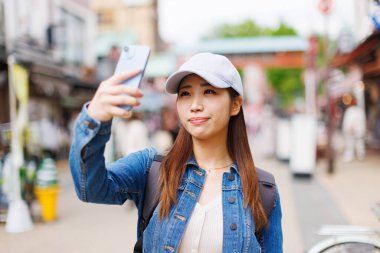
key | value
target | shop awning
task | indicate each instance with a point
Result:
(366, 54)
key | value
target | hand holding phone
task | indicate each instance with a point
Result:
(111, 94)
(133, 57)
(112, 99)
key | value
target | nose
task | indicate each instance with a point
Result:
(196, 104)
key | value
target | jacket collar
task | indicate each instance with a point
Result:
(193, 161)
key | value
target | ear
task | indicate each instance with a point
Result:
(237, 102)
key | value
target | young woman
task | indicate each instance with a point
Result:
(209, 199)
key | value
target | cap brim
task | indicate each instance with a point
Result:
(172, 84)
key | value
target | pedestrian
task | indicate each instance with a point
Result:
(131, 134)
(209, 189)
(353, 128)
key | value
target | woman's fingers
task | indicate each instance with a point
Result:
(120, 112)
(124, 89)
(111, 94)
(123, 76)
(120, 100)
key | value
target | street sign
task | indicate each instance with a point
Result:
(324, 6)
(376, 16)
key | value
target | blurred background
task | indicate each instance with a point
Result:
(311, 74)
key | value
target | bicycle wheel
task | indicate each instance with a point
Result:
(346, 244)
(352, 247)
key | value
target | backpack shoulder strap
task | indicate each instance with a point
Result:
(150, 199)
(267, 186)
(151, 195)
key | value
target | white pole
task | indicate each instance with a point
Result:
(16, 191)
(18, 217)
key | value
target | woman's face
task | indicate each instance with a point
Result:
(203, 109)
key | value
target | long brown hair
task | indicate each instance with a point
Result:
(173, 167)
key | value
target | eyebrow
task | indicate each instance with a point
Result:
(189, 86)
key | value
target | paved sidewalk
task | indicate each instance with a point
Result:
(80, 228)
(355, 188)
(344, 197)
(290, 223)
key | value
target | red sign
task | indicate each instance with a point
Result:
(324, 6)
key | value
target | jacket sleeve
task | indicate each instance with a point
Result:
(94, 181)
(272, 234)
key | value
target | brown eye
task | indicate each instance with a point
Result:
(184, 93)
(209, 91)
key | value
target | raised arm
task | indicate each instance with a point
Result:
(123, 179)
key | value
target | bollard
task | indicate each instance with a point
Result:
(47, 189)
(47, 197)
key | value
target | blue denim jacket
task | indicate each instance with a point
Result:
(125, 179)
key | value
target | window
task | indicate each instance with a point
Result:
(132, 3)
(105, 17)
(2, 25)
(71, 38)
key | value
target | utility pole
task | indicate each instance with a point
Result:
(325, 8)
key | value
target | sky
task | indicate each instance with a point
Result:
(187, 21)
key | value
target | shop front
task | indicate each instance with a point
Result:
(366, 57)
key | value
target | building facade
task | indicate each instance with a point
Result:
(127, 21)
(56, 48)
(364, 58)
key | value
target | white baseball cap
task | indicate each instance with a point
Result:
(216, 69)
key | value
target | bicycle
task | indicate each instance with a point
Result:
(349, 239)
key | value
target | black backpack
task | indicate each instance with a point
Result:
(267, 188)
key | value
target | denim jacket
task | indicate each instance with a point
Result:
(125, 179)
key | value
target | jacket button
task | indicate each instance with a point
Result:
(231, 177)
(89, 124)
(233, 226)
(231, 200)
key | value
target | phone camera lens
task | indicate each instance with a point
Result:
(126, 49)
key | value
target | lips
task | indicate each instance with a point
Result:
(198, 120)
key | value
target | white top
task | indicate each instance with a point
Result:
(354, 121)
(204, 231)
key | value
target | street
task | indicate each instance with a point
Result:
(345, 197)
(342, 198)
(306, 74)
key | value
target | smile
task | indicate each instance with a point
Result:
(197, 120)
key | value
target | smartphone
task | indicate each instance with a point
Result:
(132, 57)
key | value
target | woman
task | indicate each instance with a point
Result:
(209, 198)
